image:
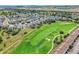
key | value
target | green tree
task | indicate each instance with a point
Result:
(1, 39)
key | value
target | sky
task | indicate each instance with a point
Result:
(39, 2)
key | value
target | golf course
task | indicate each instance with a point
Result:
(41, 40)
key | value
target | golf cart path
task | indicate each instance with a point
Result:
(62, 48)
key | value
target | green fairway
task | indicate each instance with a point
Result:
(41, 40)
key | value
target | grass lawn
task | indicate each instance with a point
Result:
(41, 40)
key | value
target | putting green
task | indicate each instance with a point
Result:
(41, 40)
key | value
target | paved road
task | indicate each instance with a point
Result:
(63, 47)
(75, 49)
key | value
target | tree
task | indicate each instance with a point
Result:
(66, 35)
(25, 32)
(1, 39)
(16, 31)
(61, 32)
(77, 20)
(53, 21)
(61, 36)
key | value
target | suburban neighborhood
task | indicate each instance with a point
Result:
(38, 29)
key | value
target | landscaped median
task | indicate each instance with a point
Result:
(40, 39)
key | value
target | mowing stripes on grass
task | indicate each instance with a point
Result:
(36, 41)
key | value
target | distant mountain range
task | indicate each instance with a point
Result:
(39, 6)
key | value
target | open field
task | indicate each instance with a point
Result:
(41, 40)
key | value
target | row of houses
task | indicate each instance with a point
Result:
(27, 19)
